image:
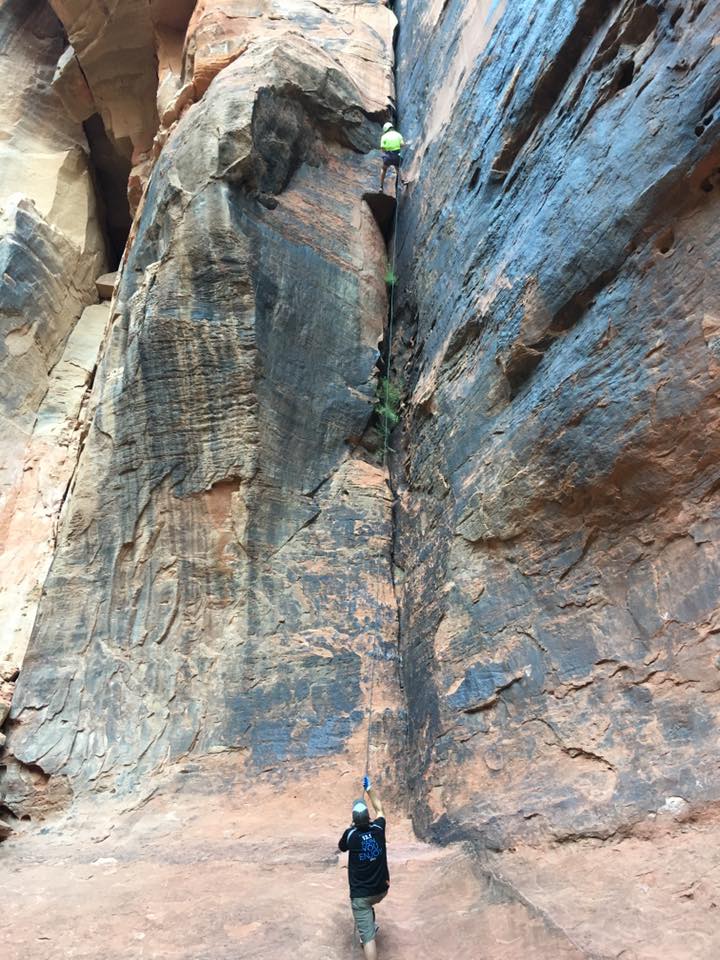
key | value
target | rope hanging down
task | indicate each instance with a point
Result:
(386, 432)
(391, 321)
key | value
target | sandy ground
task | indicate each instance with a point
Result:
(211, 867)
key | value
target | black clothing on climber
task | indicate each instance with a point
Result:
(367, 861)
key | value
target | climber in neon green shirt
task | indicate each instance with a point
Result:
(391, 143)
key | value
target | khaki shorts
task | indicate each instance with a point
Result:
(362, 908)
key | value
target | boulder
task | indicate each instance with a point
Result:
(106, 285)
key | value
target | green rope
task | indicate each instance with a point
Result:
(386, 435)
(391, 321)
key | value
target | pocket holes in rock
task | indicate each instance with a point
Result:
(711, 181)
(665, 242)
(702, 127)
(677, 13)
(428, 407)
(625, 74)
(474, 179)
(697, 9)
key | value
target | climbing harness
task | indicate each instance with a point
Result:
(386, 432)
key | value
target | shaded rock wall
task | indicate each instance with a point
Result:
(51, 251)
(122, 65)
(558, 525)
(223, 573)
(115, 51)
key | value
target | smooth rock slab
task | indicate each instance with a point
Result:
(30, 515)
(51, 250)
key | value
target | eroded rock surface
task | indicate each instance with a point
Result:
(559, 474)
(356, 35)
(223, 577)
(115, 51)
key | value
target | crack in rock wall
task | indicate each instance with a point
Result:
(558, 475)
(222, 577)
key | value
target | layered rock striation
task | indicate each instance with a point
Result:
(222, 579)
(559, 468)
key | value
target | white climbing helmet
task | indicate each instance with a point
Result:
(387, 126)
(360, 814)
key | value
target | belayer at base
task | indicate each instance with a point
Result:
(367, 866)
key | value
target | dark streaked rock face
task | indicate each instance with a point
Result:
(223, 578)
(559, 459)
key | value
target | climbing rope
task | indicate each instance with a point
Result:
(386, 434)
(370, 710)
(391, 321)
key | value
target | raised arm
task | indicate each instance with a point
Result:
(374, 798)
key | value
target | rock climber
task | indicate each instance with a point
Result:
(391, 143)
(367, 866)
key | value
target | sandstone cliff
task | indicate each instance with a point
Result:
(515, 619)
(559, 638)
(225, 552)
(51, 251)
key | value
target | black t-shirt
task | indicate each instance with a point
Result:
(367, 863)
